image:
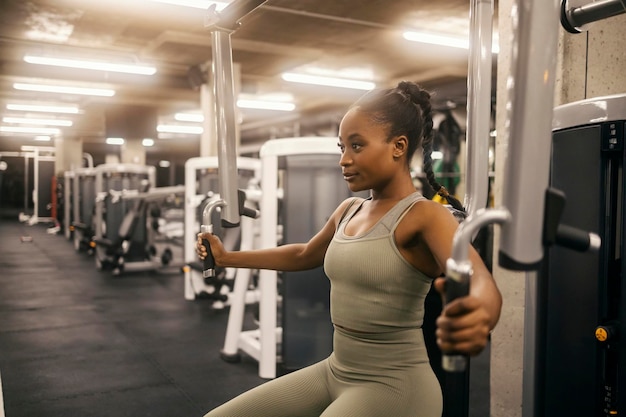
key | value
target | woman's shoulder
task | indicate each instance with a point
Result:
(428, 213)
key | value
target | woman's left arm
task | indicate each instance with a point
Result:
(465, 323)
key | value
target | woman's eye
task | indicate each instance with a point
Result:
(341, 147)
(356, 146)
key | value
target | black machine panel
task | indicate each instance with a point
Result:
(581, 363)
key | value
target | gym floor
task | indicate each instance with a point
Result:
(75, 341)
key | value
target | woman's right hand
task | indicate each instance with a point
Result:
(217, 247)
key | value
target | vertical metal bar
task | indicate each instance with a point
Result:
(36, 187)
(26, 184)
(530, 400)
(478, 105)
(222, 68)
(530, 108)
(268, 279)
(208, 139)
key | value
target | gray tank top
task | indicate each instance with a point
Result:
(373, 287)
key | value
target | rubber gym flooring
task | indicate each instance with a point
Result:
(75, 341)
(78, 342)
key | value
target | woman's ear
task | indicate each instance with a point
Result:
(400, 146)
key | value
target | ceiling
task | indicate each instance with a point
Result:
(280, 36)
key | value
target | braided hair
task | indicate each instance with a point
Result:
(406, 110)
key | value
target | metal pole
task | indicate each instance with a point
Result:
(530, 107)
(575, 18)
(478, 105)
(222, 25)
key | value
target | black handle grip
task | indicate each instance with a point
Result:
(455, 288)
(573, 238)
(208, 269)
(248, 212)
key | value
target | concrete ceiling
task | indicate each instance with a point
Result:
(281, 35)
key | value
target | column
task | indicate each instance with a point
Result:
(68, 153)
(133, 152)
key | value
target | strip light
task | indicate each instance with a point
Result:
(266, 105)
(115, 141)
(34, 130)
(104, 92)
(49, 122)
(193, 130)
(147, 142)
(442, 40)
(91, 65)
(43, 109)
(189, 117)
(328, 81)
(243, 104)
(198, 4)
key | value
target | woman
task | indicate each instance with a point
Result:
(381, 255)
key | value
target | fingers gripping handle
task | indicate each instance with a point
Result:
(208, 264)
(208, 269)
(457, 286)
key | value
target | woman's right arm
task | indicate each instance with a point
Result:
(289, 257)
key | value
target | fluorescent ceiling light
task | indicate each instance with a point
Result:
(34, 130)
(189, 117)
(42, 138)
(115, 141)
(442, 40)
(328, 81)
(164, 164)
(44, 109)
(91, 65)
(49, 122)
(64, 89)
(242, 104)
(147, 142)
(265, 105)
(198, 4)
(193, 130)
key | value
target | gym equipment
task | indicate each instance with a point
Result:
(38, 170)
(68, 201)
(577, 19)
(478, 105)
(160, 210)
(580, 361)
(525, 235)
(69, 194)
(119, 224)
(201, 184)
(83, 207)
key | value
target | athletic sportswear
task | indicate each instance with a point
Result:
(379, 366)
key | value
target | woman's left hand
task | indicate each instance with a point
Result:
(463, 326)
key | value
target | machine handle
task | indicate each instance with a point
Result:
(579, 240)
(457, 286)
(208, 269)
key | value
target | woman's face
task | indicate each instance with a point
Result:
(368, 159)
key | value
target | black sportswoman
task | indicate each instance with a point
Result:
(381, 255)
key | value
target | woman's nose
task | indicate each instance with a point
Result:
(345, 159)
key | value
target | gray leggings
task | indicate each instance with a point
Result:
(367, 375)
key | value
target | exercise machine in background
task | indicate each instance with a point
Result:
(201, 188)
(119, 223)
